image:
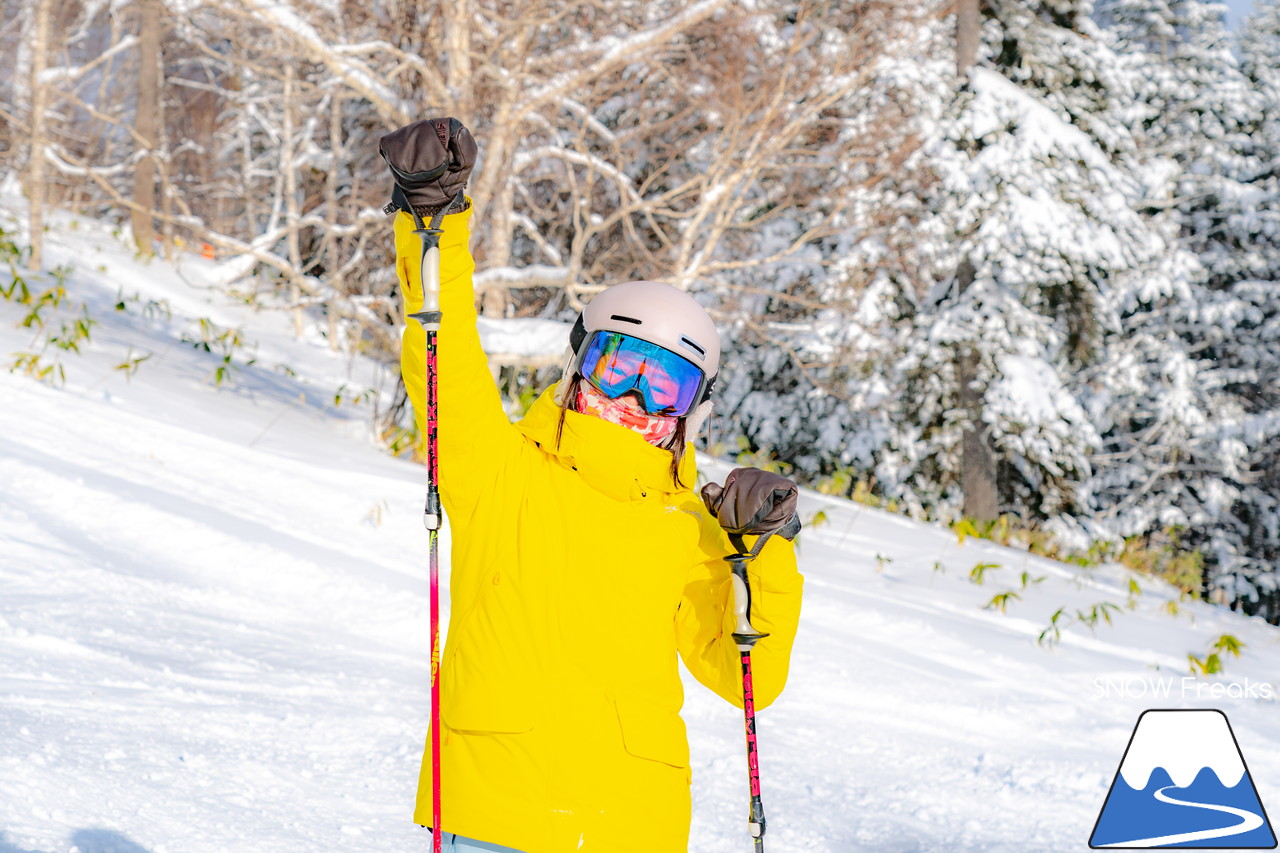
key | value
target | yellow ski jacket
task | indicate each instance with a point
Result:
(579, 570)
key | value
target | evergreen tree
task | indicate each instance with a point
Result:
(1251, 353)
(1199, 109)
(1038, 192)
(1209, 113)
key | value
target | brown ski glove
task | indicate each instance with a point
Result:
(430, 162)
(753, 501)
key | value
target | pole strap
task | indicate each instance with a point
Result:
(737, 541)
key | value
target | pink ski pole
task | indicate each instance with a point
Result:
(430, 317)
(746, 637)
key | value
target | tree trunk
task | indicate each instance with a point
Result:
(968, 35)
(494, 196)
(147, 123)
(457, 41)
(332, 249)
(493, 300)
(36, 191)
(292, 211)
(978, 468)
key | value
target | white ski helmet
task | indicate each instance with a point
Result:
(657, 313)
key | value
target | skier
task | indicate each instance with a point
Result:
(582, 561)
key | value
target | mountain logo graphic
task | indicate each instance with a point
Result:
(1183, 783)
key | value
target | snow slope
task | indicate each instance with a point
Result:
(213, 628)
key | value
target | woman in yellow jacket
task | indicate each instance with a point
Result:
(582, 562)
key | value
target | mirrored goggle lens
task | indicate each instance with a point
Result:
(616, 364)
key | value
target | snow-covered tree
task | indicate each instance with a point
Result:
(817, 327)
(1207, 113)
(1198, 109)
(1038, 208)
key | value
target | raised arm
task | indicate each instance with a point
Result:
(476, 438)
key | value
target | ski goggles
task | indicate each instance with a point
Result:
(668, 385)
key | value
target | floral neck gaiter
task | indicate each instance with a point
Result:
(652, 428)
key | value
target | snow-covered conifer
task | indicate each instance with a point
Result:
(1038, 194)
(1209, 114)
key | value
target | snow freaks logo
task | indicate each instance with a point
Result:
(1150, 687)
(1183, 783)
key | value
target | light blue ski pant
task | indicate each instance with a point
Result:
(451, 843)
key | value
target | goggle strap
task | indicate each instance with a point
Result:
(578, 336)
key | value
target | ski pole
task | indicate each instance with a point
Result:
(746, 637)
(429, 317)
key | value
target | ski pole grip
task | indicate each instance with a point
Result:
(741, 600)
(744, 634)
(429, 233)
(430, 271)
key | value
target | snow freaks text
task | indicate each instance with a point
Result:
(1187, 687)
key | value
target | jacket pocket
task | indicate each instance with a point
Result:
(489, 698)
(652, 732)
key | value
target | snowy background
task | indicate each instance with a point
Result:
(1045, 270)
(213, 624)
(899, 232)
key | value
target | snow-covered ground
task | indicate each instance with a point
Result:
(213, 626)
